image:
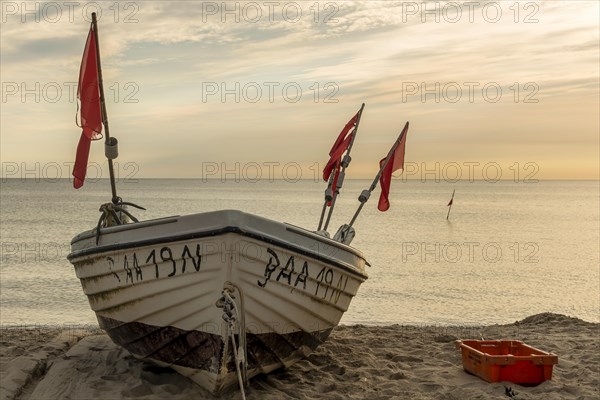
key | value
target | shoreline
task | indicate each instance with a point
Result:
(93, 327)
(356, 362)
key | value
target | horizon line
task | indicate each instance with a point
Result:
(239, 180)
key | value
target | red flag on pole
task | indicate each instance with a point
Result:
(336, 157)
(450, 202)
(336, 171)
(343, 133)
(88, 94)
(396, 162)
(339, 147)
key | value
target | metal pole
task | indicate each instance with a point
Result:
(329, 184)
(364, 197)
(108, 140)
(345, 163)
(358, 210)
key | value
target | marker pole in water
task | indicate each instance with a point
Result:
(450, 204)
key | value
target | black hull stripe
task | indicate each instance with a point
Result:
(218, 232)
(204, 351)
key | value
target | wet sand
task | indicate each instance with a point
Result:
(357, 362)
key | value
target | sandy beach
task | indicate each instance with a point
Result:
(357, 362)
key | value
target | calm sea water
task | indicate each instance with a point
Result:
(509, 250)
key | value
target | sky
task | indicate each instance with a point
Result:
(261, 89)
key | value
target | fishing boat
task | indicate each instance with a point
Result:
(218, 296)
(168, 290)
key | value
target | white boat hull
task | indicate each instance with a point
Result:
(153, 286)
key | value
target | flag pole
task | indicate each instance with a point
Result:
(328, 198)
(365, 194)
(109, 142)
(450, 204)
(345, 164)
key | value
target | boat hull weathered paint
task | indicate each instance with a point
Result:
(154, 286)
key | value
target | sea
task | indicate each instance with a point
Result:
(508, 249)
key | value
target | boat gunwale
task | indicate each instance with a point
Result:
(225, 230)
(125, 227)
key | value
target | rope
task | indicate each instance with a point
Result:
(231, 315)
(112, 214)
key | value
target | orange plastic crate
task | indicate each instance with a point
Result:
(506, 360)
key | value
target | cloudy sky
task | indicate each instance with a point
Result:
(193, 85)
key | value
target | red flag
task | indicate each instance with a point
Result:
(336, 157)
(343, 133)
(339, 147)
(450, 203)
(88, 93)
(396, 162)
(337, 168)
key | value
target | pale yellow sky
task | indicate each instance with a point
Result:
(486, 86)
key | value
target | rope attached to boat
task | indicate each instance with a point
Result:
(236, 323)
(114, 214)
